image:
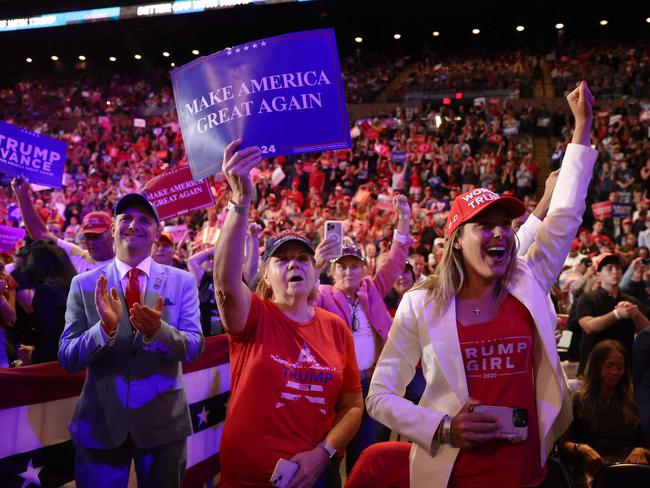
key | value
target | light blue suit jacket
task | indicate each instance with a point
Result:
(132, 387)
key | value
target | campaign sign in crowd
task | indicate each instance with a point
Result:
(283, 94)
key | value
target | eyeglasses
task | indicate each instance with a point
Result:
(355, 316)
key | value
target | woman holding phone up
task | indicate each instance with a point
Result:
(358, 298)
(483, 327)
(295, 382)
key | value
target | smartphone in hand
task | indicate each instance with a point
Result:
(283, 473)
(513, 421)
(335, 227)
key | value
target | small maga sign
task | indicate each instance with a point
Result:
(41, 159)
(9, 237)
(283, 94)
(175, 193)
(602, 210)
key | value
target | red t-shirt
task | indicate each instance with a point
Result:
(286, 379)
(498, 356)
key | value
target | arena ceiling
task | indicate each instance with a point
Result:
(375, 21)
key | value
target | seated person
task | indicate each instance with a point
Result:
(605, 428)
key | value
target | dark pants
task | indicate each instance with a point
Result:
(156, 467)
(331, 477)
(370, 432)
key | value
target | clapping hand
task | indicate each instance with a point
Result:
(109, 306)
(627, 310)
(145, 319)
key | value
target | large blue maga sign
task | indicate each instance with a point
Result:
(283, 94)
(39, 158)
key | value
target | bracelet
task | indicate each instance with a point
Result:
(616, 314)
(240, 209)
(445, 431)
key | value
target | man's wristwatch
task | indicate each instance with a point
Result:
(240, 209)
(329, 449)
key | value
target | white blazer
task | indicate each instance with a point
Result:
(418, 334)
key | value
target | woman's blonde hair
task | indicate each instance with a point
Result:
(449, 276)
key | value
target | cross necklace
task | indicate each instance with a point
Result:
(476, 311)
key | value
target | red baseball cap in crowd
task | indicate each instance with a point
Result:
(575, 244)
(96, 223)
(604, 259)
(468, 205)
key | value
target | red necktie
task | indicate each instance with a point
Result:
(133, 288)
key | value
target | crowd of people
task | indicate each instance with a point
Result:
(618, 71)
(512, 70)
(399, 192)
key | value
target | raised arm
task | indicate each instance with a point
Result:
(33, 223)
(390, 270)
(553, 239)
(231, 293)
(252, 252)
(195, 263)
(526, 233)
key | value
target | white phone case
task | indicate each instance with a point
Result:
(283, 473)
(335, 227)
(505, 417)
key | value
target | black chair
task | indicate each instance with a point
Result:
(557, 475)
(623, 475)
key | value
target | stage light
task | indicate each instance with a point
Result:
(166, 54)
(559, 26)
(604, 22)
(29, 60)
(397, 36)
(82, 57)
(520, 28)
(446, 101)
(195, 52)
(436, 33)
(137, 56)
(172, 64)
(112, 59)
(476, 31)
(54, 58)
(358, 39)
